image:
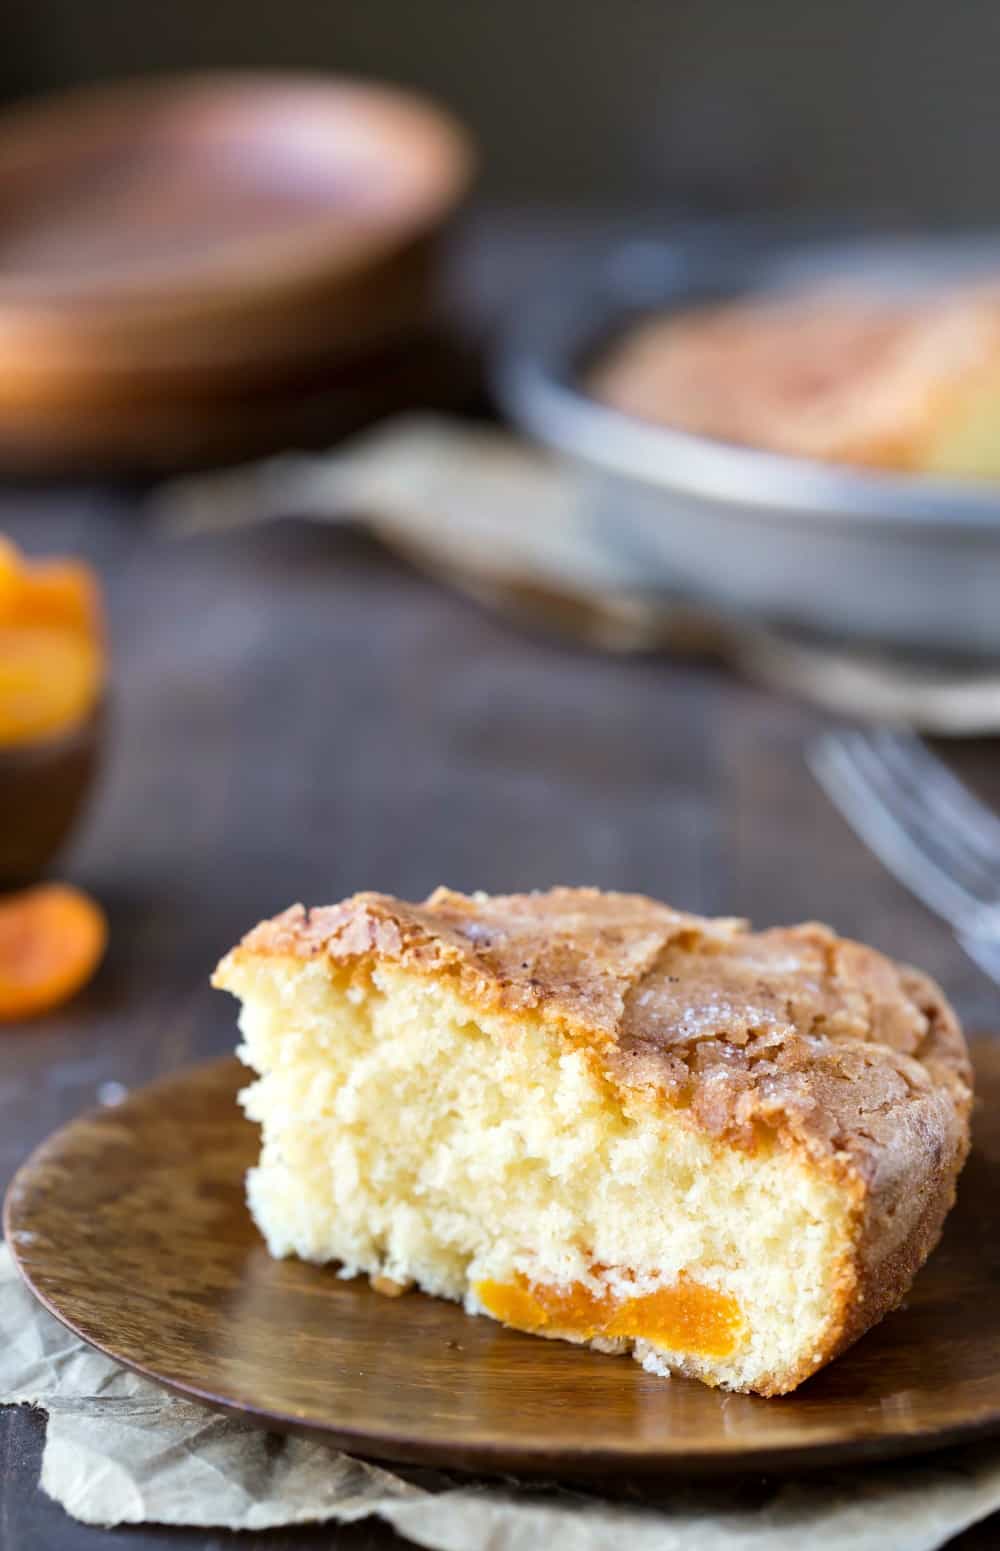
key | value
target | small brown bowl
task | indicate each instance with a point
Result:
(43, 787)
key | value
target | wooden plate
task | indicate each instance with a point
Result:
(130, 1226)
(173, 241)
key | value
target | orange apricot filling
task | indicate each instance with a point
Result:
(685, 1317)
(52, 939)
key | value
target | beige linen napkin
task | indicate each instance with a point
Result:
(120, 1450)
(527, 533)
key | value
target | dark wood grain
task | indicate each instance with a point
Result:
(131, 1226)
(296, 716)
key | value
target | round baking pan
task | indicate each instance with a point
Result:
(905, 560)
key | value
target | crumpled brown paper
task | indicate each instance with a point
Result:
(120, 1450)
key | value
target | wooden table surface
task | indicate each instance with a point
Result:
(297, 716)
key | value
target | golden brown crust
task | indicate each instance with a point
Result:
(792, 1036)
(826, 376)
(795, 1028)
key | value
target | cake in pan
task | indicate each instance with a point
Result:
(594, 1117)
(912, 387)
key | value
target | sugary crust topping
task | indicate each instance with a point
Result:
(794, 1030)
(819, 375)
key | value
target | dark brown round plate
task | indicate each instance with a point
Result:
(130, 1226)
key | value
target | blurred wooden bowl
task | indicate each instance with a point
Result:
(43, 788)
(150, 436)
(186, 240)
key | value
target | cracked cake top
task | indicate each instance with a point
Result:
(793, 1032)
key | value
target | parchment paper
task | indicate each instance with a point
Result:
(119, 1450)
(527, 533)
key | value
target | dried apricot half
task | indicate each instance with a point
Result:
(50, 680)
(52, 938)
(10, 575)
(63, 594)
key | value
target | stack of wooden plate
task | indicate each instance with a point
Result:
(200, 268)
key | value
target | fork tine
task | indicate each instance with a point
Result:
(944, 847)
(848, 782)
(948, 796)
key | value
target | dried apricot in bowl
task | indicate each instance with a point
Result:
(52, 648)
(52, 938)
(10, 574)
(50, 680)
(55, 591)
(58, 593)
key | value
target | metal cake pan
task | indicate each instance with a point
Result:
(904, 560)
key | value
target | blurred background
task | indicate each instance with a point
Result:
(715, 104)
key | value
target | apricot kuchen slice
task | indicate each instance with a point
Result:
(52, 938)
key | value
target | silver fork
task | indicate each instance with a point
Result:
(924, 825)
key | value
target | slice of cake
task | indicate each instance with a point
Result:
(912, 387)
(595, 1117)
